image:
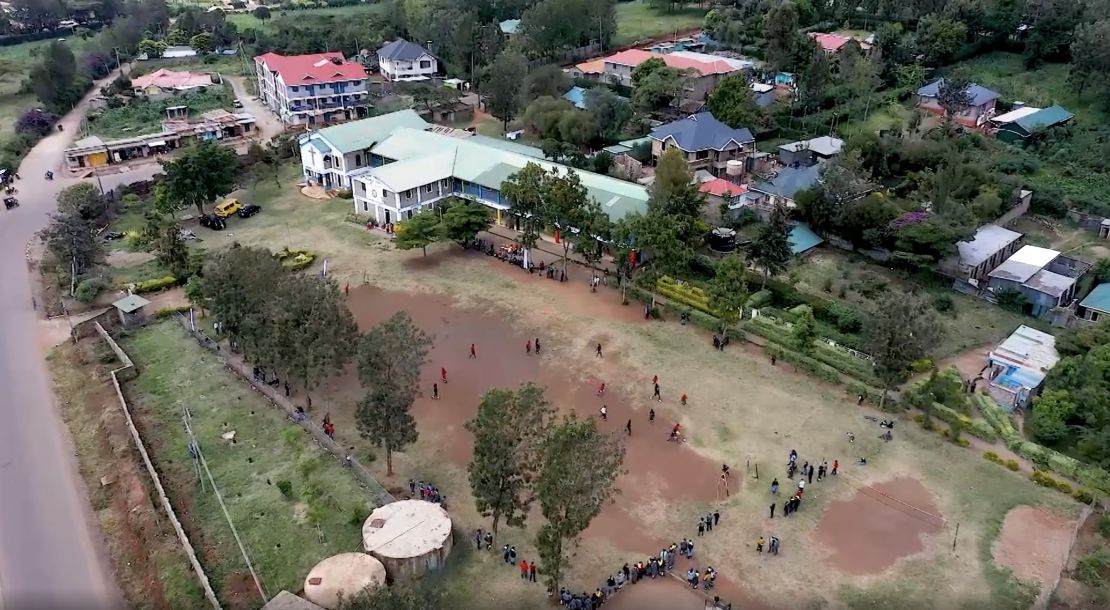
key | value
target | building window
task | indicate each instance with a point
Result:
(293, 88)
(361, 187)
(429, 188)
(408, 194)
(358, 160)
(703, 154)
(424, 65)
(446, 183)
(365, 207)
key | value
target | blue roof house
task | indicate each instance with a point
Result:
(976, 114)
(576, 96)
(706, 142)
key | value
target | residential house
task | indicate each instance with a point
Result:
(1026, 124)
(719, 190)
(976, 114)
(810, 152)
(402, 60)
(1046, 278)
(164, 83)
(413, 169)
(832, 44)
(312, 90)
(1019, 365)
(763, 196)
(330, 155)
(706, 142)
(764, 94)
(705, 70)
(510, 27)
(1096, 305)
(576, 96)
(215, 125)
(978, 256)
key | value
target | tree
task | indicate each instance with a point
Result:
(577, 127)
(814, 81)
(239, 284)
(939, 38)
(262, 13)
(418, 232)
(1090, 54)
(909, 77)
(398, 596)
(509, 432)
(153, 49)
(544, 114)
(672, 177)
(201, 42)
(579, 473)
(732, 103)
(200, 173)
(37, 122)
(547, 81)
(902, 328)
(780, 28)
(804, 331)
(729, 290)
(655, 87)
(464, 220)
(169, 249)
(954, 95)
(771, 248)
(567, 205)
(69, 239)
(54, 79)
(84, 200)
(389, 362)
(611, 111)
(593, 225)
(1051, 412)
(506, 77)
(525, 189)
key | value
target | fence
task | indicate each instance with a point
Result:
(1049, 592)
(240, 367)
(128, 369)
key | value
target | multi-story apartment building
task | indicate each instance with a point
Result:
(312, 90)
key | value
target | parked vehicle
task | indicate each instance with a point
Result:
(249, 210)
(237, 104)
(113, 235)
(227, 208)
(211, 221)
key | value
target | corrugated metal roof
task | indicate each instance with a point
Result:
(1053, 115)
(576, 96)
(357, 135)
(402, 50)
(1099, 299)
(979, 95)
(131, 303)
(1025, 263)
(803, 238)
(988, 240)
(702, 131)
(1013, 115)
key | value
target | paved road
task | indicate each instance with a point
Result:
(52, 554)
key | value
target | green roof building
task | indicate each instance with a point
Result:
(1021, 129)
(1096, 305)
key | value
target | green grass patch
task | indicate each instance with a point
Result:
(1042, 86)
(144, 117)
(177, 374)
(892, 116)
(639, 20)
(343, 13)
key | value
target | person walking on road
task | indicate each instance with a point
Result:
(772, 510)
(651, 416)
(443, 375)
(473, 352)
(597, 352)
(537, 346)
(655, 394)
(628, 427)
(528, 347)
(604, 413)
(435, 391)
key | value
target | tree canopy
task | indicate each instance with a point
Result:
(732, 103)
(200, 173)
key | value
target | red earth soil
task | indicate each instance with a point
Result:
(657, 470)
(660, 594)
(872, 529)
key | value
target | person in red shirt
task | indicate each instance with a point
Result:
(684, 400)
(443, 375)
(524, 569)
(473, 352)
(528, 347)
(654, 379)
(601, 390)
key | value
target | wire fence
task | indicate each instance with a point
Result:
(276, 398)
(897, 504)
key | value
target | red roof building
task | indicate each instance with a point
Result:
(832, 43)
(719, 187)
(706, 69)
(314, 90)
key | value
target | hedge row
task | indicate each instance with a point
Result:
(166, 312)
(819, 369)
(699, 318)
(822, 352)
(1091, 476)
(975, 427)
(684, 293)
(150, 285)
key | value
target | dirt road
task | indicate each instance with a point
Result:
(51, 550)
(267, 122)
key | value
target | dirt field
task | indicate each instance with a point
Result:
(1034, 544)
(871, 530)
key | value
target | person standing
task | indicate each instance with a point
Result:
(772, 510)
(651, 416)
(810, 474)
(683, 400)
(537, 346)
(716, 517)
(505, 552)
(412, 490)
(489, 540)
(759, 544)
(604, 413)
(701, 526)
(601, 389)
(512, 555)
(478, 538)
(435, 391)
(775, 487)
(655, 394)
(628, 427)
(473, 352)
(597, 352)
(528, 347)
(524, 569)
(774, 548)
(709, 522)
(836, 465)
(532, 572)
(443, 375)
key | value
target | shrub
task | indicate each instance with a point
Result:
(166, 312)
(991, 456)
(828, 285)
(1064, 487)
(760, 299)
(1091, 568)
(358, 219)
(1013, 465)
(963, 442)
(88, 289)
(286, 488)
(684, 293)
(1104, 525)
(344, 194)
(943, 303)
(919, 418)
(822, 371)
(1084, 496)
(157, 283)
(358, 514)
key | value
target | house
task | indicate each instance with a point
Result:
(832, 44)
(762, 197)
(330, 155)
(810, 152)
(706, 142)
(1096, 305)
(165, 82)
(215, 125)
(510, 27)
(705, 70)
(977, 113)
(576, 96)
(1019, 365)
(412, 169)
(987, 249)
(1044, 277)
(312, 90)
(1027, 124)
(764, 94)
(803, 240)
(402, 60)
(131, 310)
(719, 190)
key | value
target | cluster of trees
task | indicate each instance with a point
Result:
(1073, 413)
(523, 453)
(69, 237)
(33, 16)
(455, 220)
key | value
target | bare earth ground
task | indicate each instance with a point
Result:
(1034, 543)
(741, 411)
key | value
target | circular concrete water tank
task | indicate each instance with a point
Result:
(345, 574)
(734, 167)
(409, 537)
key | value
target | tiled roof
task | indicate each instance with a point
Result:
(979, 95)
(635, 57)
(402, 50)
(720, 186)
(315, 68)
(701, 132)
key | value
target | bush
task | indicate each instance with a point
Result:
(166, 312)
(294, 260)
(1064, 487)
(822, 371)
(963, 442)
(1013, 465)
(358, 514)
(991, 456)
(358, 219)
(943, 303)
(1085, 497)
(684, 293)
(1090, 569)
(155, 284)
(286, 488)
(344, 194)
(1043, 479)
(759, 299)
(88, 289)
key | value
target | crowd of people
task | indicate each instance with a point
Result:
(419, 490)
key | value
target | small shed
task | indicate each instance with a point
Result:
(1096, 305)
(803, 239)
(1024, 127)
(131, 312)
(409, 537)
(342, 575)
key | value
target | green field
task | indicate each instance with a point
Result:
(639, 21)
(248, 20)
(143, 117)
(284, 537)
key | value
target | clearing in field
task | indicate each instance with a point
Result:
(1034, 544)
(639, 21)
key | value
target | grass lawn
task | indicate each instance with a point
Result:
(222, 64)
(638, 20)
(971, 323)
(742, 410)
(1043, 86)
(345, 13)
(177, 374)
(144, 117)
(891, 116)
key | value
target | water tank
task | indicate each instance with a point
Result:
(722, 239)
(346, 575)
(409, 537)
(734, 168)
